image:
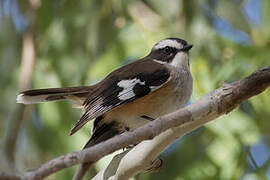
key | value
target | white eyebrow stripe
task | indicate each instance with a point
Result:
(168, 42)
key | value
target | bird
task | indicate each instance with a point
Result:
(131, 95)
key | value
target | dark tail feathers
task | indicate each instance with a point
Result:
(76, 94)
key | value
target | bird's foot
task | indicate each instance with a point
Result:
(155, 166)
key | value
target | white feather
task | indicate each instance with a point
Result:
(160, 62)
(24, 99)
(180, 60)
(128, 86)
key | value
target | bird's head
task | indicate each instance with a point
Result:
(172, 51)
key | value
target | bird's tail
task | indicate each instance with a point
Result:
(75, 94)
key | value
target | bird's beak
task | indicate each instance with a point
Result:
(187, 48)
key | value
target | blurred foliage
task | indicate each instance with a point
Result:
(79, 42)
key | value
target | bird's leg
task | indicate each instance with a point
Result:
(147, 118)
(129, 146)
(127, 129)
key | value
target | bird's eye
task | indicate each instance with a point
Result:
(168, 50)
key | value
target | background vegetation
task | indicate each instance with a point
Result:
(79, 42)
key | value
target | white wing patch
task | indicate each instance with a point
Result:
(127, 86)
(168, 42)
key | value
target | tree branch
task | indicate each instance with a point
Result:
(209, 107)
(144, 154)
(9, 176)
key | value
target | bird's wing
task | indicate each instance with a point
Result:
(122, 86)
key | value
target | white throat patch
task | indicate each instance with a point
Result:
(167, 42)
(180, 59)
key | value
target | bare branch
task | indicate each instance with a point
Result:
(209, 107)
(7, 176)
